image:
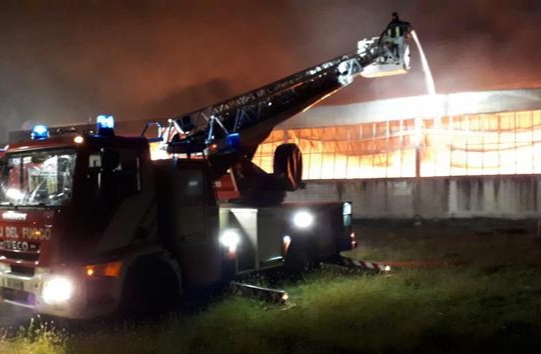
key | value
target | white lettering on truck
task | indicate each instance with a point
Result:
(14, 245)
(26, 233)
(11, 232)
(13, 215)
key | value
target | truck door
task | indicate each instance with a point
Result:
(189, 219)
(119, 198)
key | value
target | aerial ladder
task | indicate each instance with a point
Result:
(228, 133)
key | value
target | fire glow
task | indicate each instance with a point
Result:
(453, 145)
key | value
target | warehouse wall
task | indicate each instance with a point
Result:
(512, 197)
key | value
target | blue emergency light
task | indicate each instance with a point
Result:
(105, 125)
(233, 141)
(39, 132)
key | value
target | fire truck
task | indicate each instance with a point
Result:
(93, 223)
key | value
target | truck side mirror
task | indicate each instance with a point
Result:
(110, 160)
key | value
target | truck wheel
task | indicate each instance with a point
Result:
(150, 289)
(287, 165)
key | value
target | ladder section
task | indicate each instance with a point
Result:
(222, 124)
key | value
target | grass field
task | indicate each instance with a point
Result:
(463, 288)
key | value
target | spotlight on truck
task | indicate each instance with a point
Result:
(346, 209)
(230, 239)
(57, 290)
(303, 219)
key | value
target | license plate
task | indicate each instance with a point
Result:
(14, 284)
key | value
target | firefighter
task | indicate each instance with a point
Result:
(397, 27)
(396, 32)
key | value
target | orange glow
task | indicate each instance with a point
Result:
(111, 269)
(480, 144)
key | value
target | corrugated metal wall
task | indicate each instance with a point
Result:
(506, 143)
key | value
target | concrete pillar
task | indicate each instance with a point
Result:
(453, 198)
(489, 200)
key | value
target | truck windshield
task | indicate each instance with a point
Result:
(41, 177)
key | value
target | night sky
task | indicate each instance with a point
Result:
(66, 62)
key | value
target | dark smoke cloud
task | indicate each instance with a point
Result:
(141, 59)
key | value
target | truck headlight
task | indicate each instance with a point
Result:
(303, 219)
(57, 290)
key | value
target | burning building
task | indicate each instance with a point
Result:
(475, 154)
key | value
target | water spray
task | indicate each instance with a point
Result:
(431, 98)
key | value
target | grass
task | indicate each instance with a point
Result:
(492, 304)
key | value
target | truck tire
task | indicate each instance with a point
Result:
(151, 288)
(287, 166)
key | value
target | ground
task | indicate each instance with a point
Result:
(450, 241)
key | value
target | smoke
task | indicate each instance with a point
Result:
(65, 63)
(491, 46)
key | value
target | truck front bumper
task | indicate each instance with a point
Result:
(44, 294)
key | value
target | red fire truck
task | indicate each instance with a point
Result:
(91, 224)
